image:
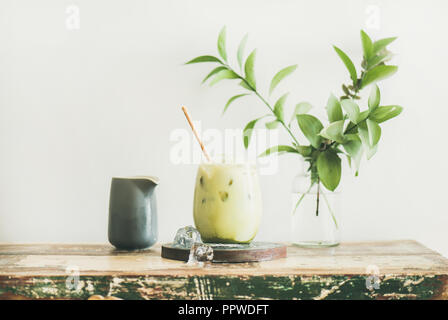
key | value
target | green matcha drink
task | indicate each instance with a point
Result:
(227, 202)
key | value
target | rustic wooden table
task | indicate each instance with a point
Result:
(405, 270)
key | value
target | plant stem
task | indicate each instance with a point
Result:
(331, 210)
(265, 102)
(279, 120)
(317, 197)
(301, 198)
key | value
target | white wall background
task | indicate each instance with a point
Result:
(78, 107)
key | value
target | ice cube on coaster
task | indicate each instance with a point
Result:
(186, 237)
(200, 253)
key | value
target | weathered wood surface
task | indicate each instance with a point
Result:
(406, 270)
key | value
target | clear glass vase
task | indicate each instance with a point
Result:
(314, 214)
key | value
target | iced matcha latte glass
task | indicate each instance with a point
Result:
(227, 202)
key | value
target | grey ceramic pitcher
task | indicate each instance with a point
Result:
(133, 212)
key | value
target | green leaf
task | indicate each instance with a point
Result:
(272, 124)
(280, 76)
(364, 133)
(371, 152)
(222, 44)
(334, 110)
(334, 131)
(348, 64)
(349, 160)
(374, 132)
(353, 146)
(204, 59)
(363, 115)
(352, 109)
(280, 149)
(337, 150)
(385, 113)
(301, 108)
(374, 98)
(249, 69)
(382, 43)
(223, 74)
(214, 71)
(233, 99)
(247, 132)
(245, 85)
(367, 45)
(311, 127)
(365, 138)
(380, 57)
(378, 73)
(278, 107)
(351, 128)
(240, 52)
(329, 169)
(304, 150)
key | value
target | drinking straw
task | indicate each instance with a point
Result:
(187, 115)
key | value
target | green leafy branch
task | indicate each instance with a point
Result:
(248, 82)
(373, 67)
(350, 132)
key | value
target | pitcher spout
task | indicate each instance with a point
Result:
(145, 183)
(154, 181)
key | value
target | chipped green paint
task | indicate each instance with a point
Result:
(227, 287)
(408, 271)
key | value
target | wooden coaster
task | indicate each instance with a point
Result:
(253, 252)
